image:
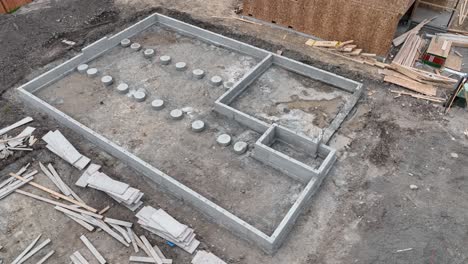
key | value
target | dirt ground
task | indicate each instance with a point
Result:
(365, 211)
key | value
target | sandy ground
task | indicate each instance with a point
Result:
(365, 211)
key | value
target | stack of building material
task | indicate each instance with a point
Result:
(121, 192)
(22, 142)
(437, 52)
(348, 50)
(203, 257)
(162, 224)
(11, 184)
(408, 54)
(59, 145)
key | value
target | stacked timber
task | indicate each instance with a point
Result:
(162, 224)
(121, 192)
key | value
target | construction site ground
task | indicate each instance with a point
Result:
(365, 211)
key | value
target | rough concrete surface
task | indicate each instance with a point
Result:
(364, 212)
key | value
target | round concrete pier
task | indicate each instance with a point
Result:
(228, 85)
(240, 147)
(216, 80)
(139, 96)
(125, 43)
(107, 80)
(135, 47)
(224, 140)
(198, 74)
(93, 72)
(177, 114)
(165, 60)
(157, 104)
(198, 126)
(122, 88)
(181, 66)
(148, 53)
(82, 68)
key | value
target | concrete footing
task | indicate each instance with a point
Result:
(139, 96)
(198, 126)
(216, 80)
(268, 242)
(177, 114)
(240, 147)
(181, 66)
(92, 72)
(198, 74)
(125, 43)
(224, 140)
(107, 80)
(165, 60)
(135, 46)
(122, 88)
(157, 104)
(82, 68)
(149, 53)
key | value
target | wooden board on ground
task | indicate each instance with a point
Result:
(412, 85)
(439, 47)
(454, 62)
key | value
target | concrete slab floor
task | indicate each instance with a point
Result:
(292, 100)
(240, 184)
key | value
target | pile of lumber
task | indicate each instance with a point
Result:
(22, 142)
(59, 145)
(348, 50)
(410, 51)
(121, 192)
(162, 224)
(154, 254)
(32, 249)
(203, 257)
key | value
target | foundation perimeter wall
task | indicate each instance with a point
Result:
(370, 23)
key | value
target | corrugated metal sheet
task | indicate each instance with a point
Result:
(370, 23)
(11, 5)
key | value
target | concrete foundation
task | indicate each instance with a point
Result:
(263, 151)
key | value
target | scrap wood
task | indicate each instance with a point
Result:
(322, 43)
(454, 62)
(15, 125)
(420, 75)
(34, 251)
(93, 249)
(46, 257)
(402, 38)
(26, 250)
(54, 193)
(460, 85)
(345, 43)
(419, 96)
(458, 54)
(412, 85)
(153, 253)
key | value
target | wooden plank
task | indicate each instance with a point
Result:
(15, 125)
(118, 222)
(420, 96)
(454, 62)
(132, 238)
(107, 229)
(153, 254)
(82, 223)
(66, 198)
(93, 249)
(34, 251)
(80, 257)
(412, 85)
(355, 52)
(54, 180)
(26, 250)
(71, 208)
(437, 45)
(46, 257)
(123, 232)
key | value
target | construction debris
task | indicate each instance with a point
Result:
(162, 224)
(22, 142)
(93, 249)
(11, 184)
(203, 257)
(121, 192)
(59, 145)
